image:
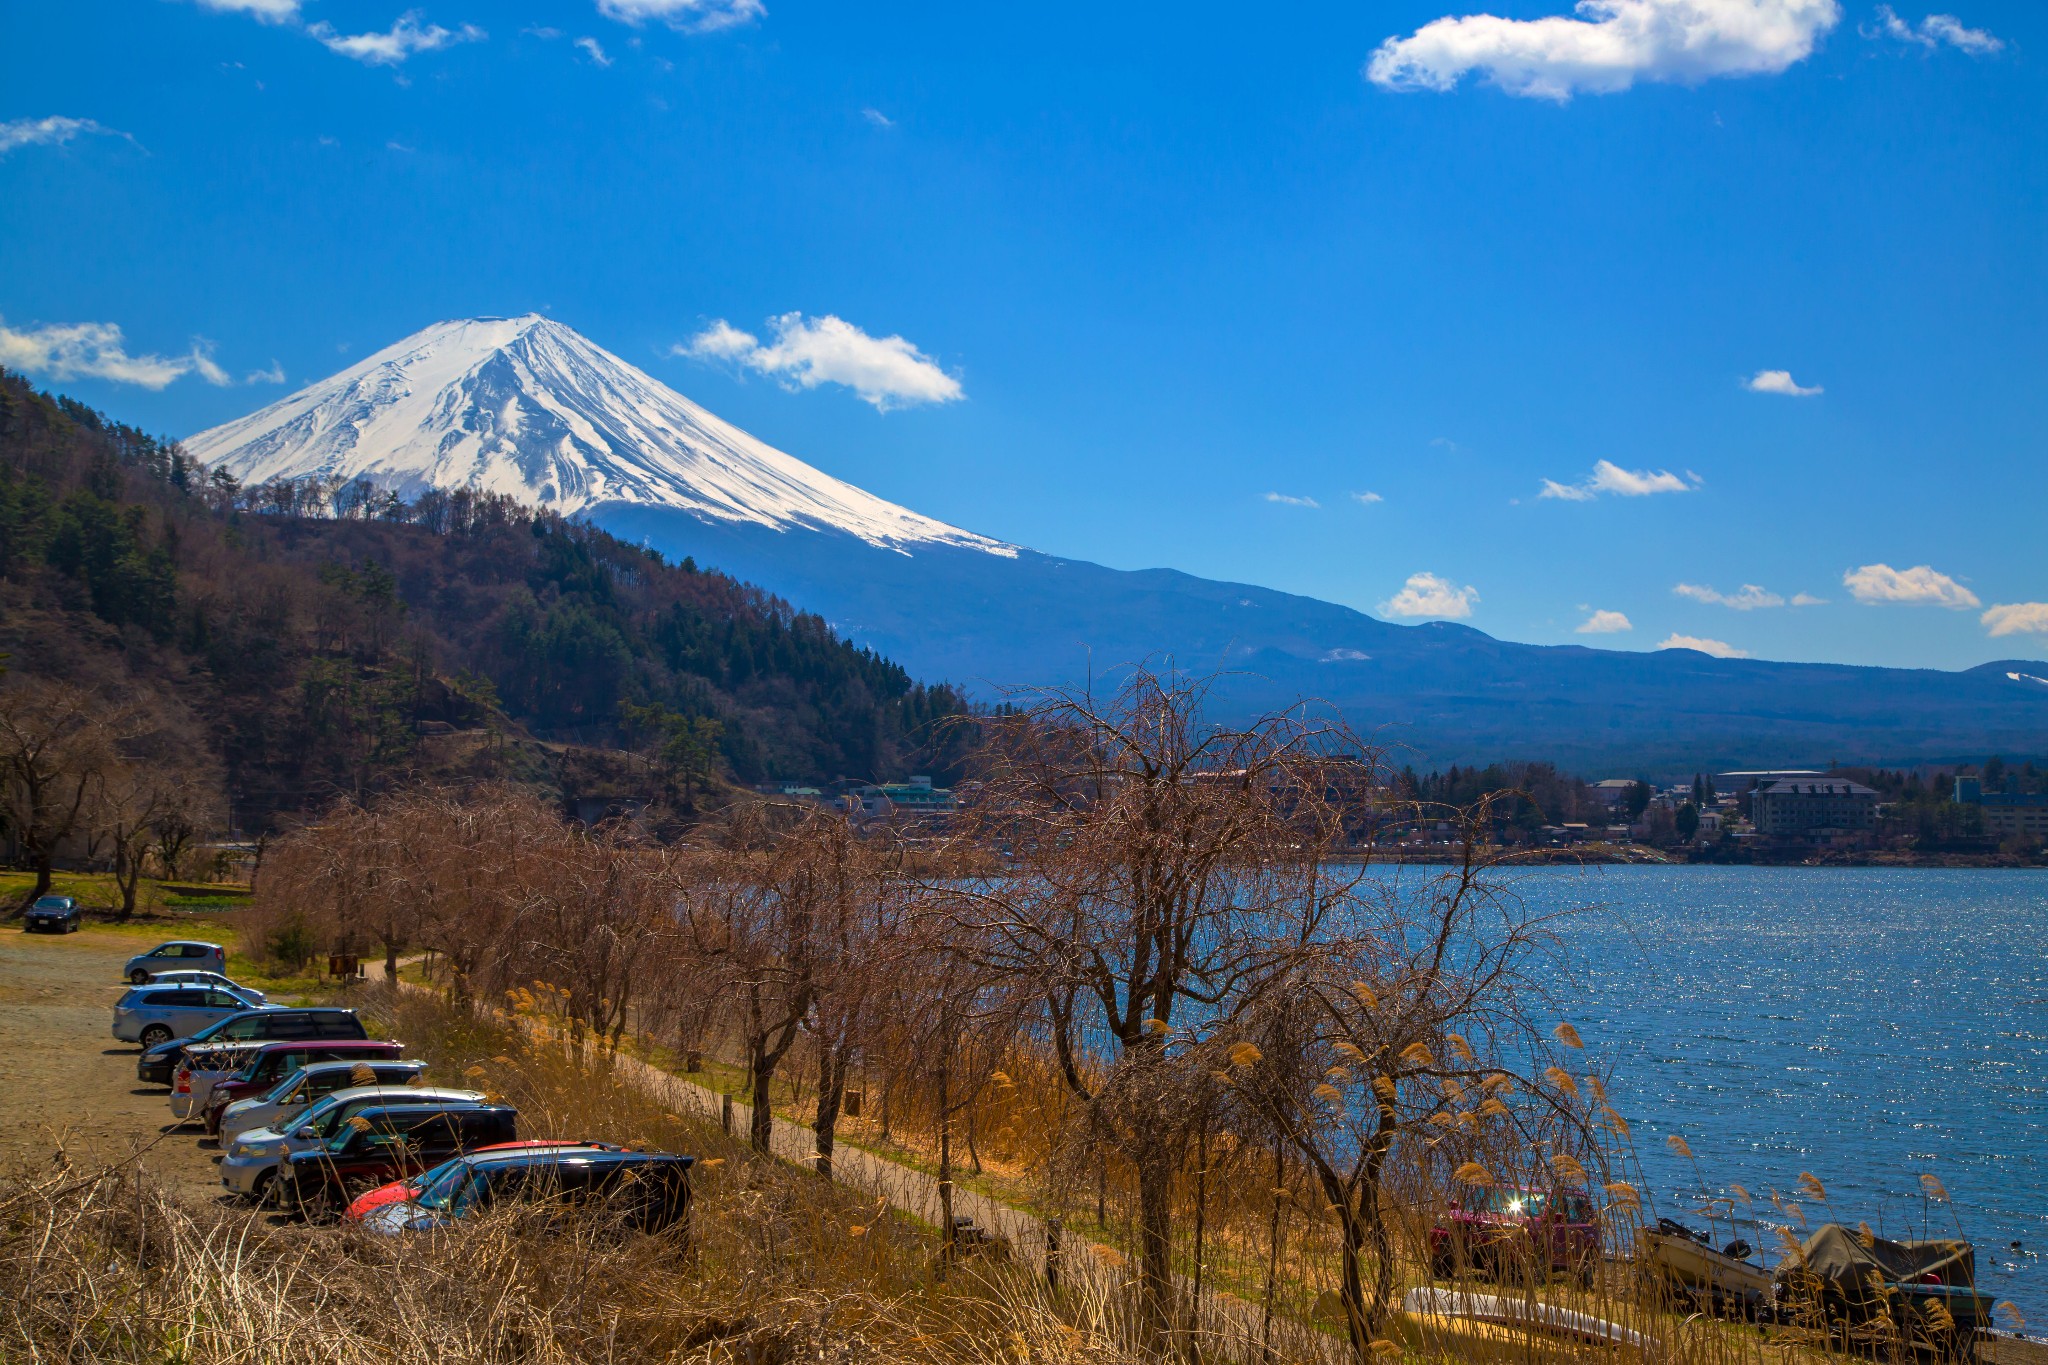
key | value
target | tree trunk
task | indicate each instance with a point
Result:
(761, 1124)
(831, 1093)
(127, 875)
(391, 960)
(1155, 1246)
(1358, 1321)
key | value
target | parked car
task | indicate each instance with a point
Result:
(645, 1191)
(150, 1015)
(398, 1191)
(178, 953)
(280, 1106)
(272, 1062)
(53, 915)
(250, 1026)
(1509, 1230)
(253, 1159)
(202, 1069)
(186, 977)
(377, 1145)
(198, 1069)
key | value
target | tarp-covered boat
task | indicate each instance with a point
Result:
(1928, 1286)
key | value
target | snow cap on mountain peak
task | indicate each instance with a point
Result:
(529, 407)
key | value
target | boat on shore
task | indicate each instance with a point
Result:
(1687, 1264)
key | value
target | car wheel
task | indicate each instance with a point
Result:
(138, 976)
(155, 1035)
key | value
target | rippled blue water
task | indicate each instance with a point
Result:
(1867, 1025)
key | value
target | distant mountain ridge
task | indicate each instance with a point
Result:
(529, 408)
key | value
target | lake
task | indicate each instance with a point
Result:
(1864, 1024)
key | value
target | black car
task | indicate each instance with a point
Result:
(158, 1064)
(380, 1145)
(646, 1191)
(53, 915)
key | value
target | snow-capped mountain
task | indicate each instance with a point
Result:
(529, 408)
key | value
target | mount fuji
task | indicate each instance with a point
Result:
(529, 408)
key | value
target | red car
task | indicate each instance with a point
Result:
(270, 1063)
(400, 1190)
(1504, 1231)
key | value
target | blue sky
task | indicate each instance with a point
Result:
(1165, 262)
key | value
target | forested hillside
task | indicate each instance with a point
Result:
(298, 642)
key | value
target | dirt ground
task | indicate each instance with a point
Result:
(71, 1088)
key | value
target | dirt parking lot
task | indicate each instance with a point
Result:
(71, 1087)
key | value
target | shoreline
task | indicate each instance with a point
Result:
(1611, 856)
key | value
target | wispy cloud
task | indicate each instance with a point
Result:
(1366, 499)
(53, 130)
(1610, 47)
(1605, 623)
(263, 11)
(406, 38)
(1881, 584)
(1608, 477)
(1749, 597)
(877, 117)
(1935, 30)
(2013, 618)
(689, 16)
(1426, 594)
(594, 50)
(1781, 383)
(97, 350)
(273, 375)
(1720, 649)
(888, 372)
(1288, 500)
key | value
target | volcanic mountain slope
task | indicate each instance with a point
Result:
(527, 407)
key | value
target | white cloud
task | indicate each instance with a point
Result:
(1917, 586)
(595, 50)
(888, 372)
(1605, 623)
(1287, 500)
(1935, 30)
(2010, 618)
(877, 117)
(690, 16)
(1609, 47)
(1608, 477)
(1749, 597)
(542, 32)
(97, 350)
(53, 130)
(263, 11)
(1720, 649)
(1807, 599)
(406, 38)
(1779, 382)
(1425, 594)
(1366, 499)
(273, 375)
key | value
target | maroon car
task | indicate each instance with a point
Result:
(272, 1062)
(1504, 1231)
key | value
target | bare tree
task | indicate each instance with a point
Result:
(1167, 871)
(1408, 1026)
(139, 805)
(56, 741)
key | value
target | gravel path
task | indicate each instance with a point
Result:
(70, 1087)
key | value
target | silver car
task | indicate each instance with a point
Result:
(199, 1070)
(281, 1105)
(253, 1157)
(156, 1014)
(197, 978)
(191, 953)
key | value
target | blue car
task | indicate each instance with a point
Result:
(53, 915)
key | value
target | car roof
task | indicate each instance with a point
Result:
(182, 943)
(582, 1154)
(431, 1092)
(345, 1063)
(376, 1045)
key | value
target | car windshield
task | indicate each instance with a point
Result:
(282, 1091)
(52, 903)
(438, 1187)
(1512, 1203)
